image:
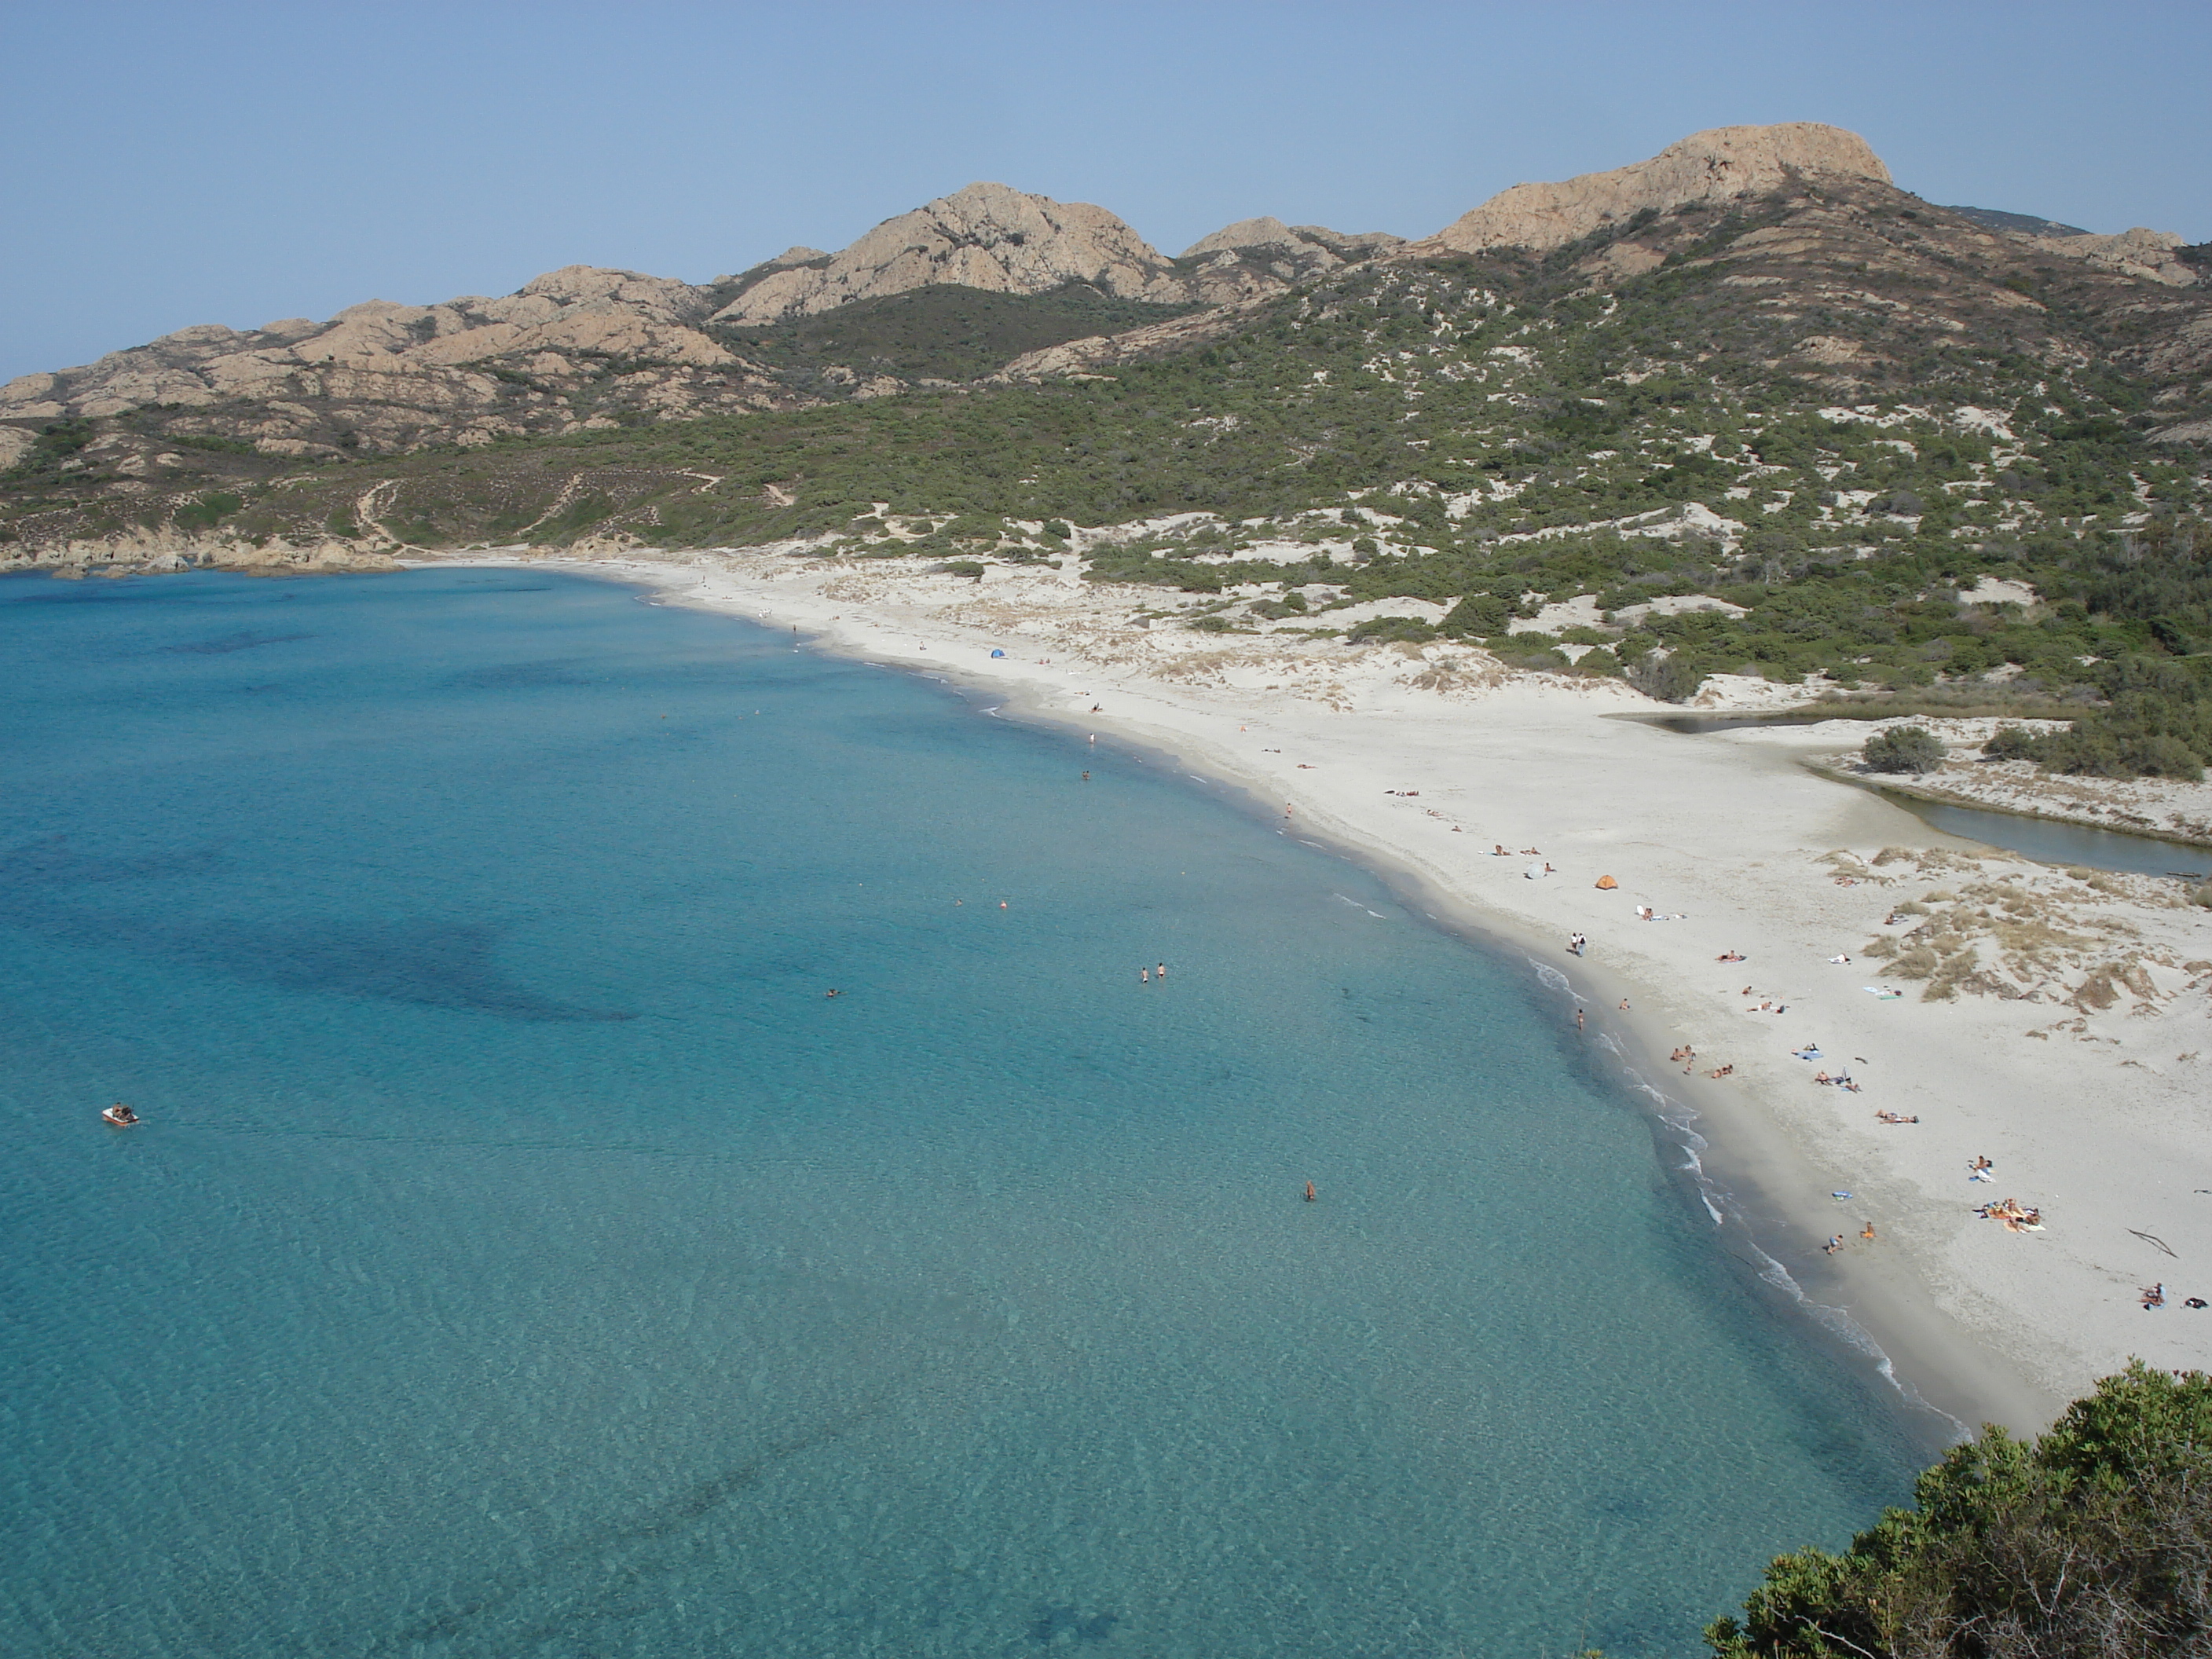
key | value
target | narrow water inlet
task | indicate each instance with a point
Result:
(2047, 841)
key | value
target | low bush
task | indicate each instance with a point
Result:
(1383, 631)
(1668, 678)
(1911, 749)
(2095, 1539)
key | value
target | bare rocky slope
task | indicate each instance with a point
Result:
(1715, 165)
(584, 348)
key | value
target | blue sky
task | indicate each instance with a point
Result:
(172, 164)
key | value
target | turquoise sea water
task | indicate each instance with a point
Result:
(522, 1255)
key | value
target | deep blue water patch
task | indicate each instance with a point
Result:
(523, 1254)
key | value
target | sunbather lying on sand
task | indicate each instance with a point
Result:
(1892, 1117)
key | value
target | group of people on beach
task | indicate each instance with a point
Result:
(1836, 1241)
(2016, 1217)
(2154, 1296)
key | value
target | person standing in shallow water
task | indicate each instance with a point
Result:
(1160, 972)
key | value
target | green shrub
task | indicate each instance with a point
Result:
(209, 511)
(1912, 749)
(1669, 678)
(1479, 615)
(2092, 1539)
(1384, 630)
(2010, 743)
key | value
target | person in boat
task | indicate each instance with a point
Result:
(118, 1113)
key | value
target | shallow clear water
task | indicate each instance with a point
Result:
(2049, 841)
(522, 1255)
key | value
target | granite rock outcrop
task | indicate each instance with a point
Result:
(1713, 165)
(384, 376)
(987, 236)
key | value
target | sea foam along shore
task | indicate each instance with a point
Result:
(2085, 1088)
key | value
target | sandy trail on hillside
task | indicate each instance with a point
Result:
(2087, 1090)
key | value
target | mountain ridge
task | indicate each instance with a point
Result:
(586, 348)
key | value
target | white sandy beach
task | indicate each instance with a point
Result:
(2074, 1056)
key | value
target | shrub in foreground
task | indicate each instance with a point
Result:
(2095, 1539)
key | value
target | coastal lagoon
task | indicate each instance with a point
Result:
(523, 1254)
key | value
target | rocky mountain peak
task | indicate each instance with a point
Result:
(1266, 231)
(987, 236)
(1253, 235)
(1722, 162)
